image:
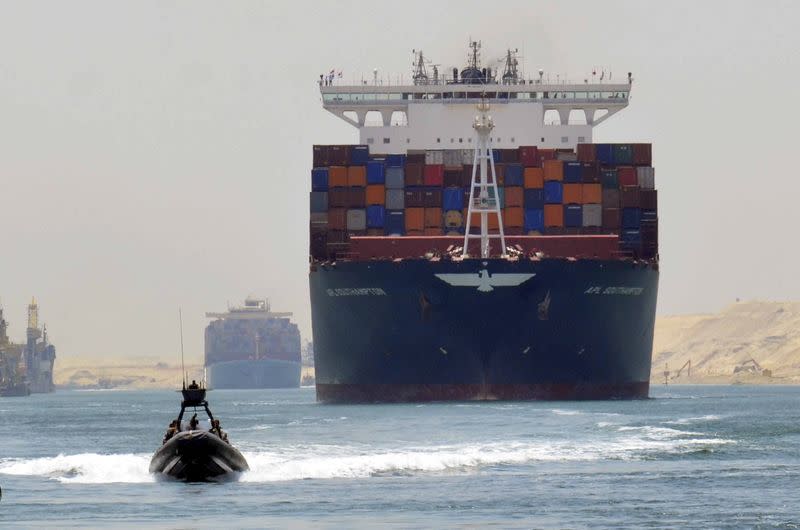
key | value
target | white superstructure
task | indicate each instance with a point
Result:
(437, 112)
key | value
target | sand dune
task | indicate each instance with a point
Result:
(717, 344)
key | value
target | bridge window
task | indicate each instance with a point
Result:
(373, 119)
(577, 117)
(386, 140)
(398, 119)
(564, 139)
(551, 117)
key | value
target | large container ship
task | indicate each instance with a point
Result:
(252, 347)
(477, 245)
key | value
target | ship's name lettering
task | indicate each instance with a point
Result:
(619, 290)
(360, 291)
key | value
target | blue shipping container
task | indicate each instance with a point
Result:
(375, 216)
(534, 198)
(319, 201)
(514, 175)
(453, 199)
(573, 215)
(631, 218)
(631, 239)
(609, 179)
(534, 219)
(394, 223)
(553, 192)
(319, 179)
(375, 172)
(359, 155)
(605, 153)
(496, 155)
(572, 172)
(395, 160)
(649, 215)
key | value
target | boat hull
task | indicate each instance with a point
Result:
(262, 373)
(197, 456)
(423, 330)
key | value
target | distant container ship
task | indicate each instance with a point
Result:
(460, 252)
(26, 368)
(252, 347)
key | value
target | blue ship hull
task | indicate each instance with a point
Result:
(548, 329)
(262, 373)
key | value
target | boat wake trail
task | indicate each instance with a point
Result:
(85, 468)
(275, 464)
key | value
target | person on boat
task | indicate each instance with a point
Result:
(193, 423)
(194, 385)
(171, 431)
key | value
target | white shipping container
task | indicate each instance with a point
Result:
(467, 157)
(395, 199)
(646, 177)
(357, 219)
(452, 157)
(592, 215)
(434, 157)
(567, 157)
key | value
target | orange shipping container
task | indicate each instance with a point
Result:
(513, 217)
(356, 176)
(572, 194)
(376, 194)
(553, 215)
(592, 193)
(415, 219)
(434, 231)
(534, 177)
(514, 196)
(415, 232)
(433, 217)
(476, 220)
(337, 177)
(553, 169)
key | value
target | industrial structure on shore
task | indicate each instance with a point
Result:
(26, 368)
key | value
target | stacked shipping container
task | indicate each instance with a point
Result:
(597, 189)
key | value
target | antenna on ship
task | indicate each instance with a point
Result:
(484, 203)
(183, 366)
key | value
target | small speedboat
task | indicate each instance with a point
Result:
(193, 453)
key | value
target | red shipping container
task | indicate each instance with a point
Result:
(321, 156)
(627, 176)
(642, 154)
(415, 198)
(590, 172)
(432, 198)
(586, 153)
(357, 176)
(433, 175)
(433, 217)
(415, 156)
(454, 178)
(415, 219)
(356, 197)
(414, 175)
(514, 231)
(611, 219)
(338, 198)
(514, 196)
(338, 155)
(375, 231)
(629, 197)
(430, 231)
(648, 199)
(337, 176)
(611, 198)
(337, 219)
(546, 154)
(529, 155)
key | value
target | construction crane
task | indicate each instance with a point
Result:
(688, 366)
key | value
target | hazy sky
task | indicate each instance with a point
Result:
(156, 154)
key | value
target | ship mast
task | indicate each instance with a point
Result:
(484, 203)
